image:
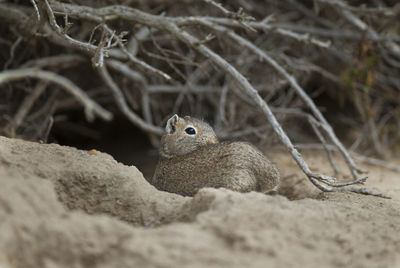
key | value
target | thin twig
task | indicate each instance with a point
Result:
(36, 9)
(135, 76)
(99, 51)
(324, 143)
(25, 107)
(63, 60)
(315, 126)
(91, 107)
(239, 16)
(61, 33)
(136, 60)
(48, 129)
(197, 89)
(346, 12)
(119, 98)
(362, 9)
(12, 51)
(358, 157)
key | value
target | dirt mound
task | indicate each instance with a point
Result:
(91, 181)
(61, 207)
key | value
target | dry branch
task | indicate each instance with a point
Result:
(119, 98)
(91, 107)
(24, 108)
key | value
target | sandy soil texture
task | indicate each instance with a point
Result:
(62, 207)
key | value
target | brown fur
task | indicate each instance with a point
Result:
(190, 162)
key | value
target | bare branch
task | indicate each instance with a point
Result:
(99, 51)
(36, 9)
(135, 60)
(91, 107)
(239, 16)
(12, 51)
(119, 98)
(24, 108)
(58, 61)
(345, 11)
(358, 157)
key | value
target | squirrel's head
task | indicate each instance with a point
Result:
(185, 135)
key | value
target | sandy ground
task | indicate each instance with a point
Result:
(62, 207)
(295, 185)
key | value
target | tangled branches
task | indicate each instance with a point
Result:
(228, 63)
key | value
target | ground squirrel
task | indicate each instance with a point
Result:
(191, 157)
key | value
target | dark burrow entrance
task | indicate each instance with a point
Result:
(119, 138)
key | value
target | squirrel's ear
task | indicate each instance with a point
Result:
(170, 127)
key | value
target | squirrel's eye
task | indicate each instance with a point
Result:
(190, 131)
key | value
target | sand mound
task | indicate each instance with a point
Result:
(62, 207)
